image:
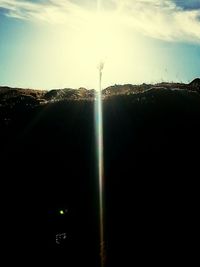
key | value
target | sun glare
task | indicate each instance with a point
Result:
(99, 38)
(76, 48)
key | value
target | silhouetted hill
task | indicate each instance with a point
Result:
(48, 162)
(71, 94)
(195, 84)
(43, 96)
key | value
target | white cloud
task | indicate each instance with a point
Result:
(161, 19)
(51, 11)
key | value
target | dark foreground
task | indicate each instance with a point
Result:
(48, 167)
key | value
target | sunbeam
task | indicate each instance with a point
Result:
(99, 144)
(99, 140)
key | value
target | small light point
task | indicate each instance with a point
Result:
(61, 212)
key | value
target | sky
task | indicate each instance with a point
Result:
(46, 44)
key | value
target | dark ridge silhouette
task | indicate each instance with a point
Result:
(83, 94)
(195, 84)
(49, 174)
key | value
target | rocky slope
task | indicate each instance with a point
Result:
(48, 162)
(16, 96)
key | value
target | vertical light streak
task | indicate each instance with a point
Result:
(100, 161)
(99, 143)
(98, 5)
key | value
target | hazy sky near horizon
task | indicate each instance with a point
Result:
(58, 43)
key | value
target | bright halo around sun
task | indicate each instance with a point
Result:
(100, 38)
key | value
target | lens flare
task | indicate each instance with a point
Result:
(61, 212)
(99, 145)
(99, 135)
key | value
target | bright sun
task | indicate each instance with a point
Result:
(99, 38)
(77, 48)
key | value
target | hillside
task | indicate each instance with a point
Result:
(16, 95)
(48, 162)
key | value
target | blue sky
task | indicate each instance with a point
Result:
(54, 44)
(188, 4)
